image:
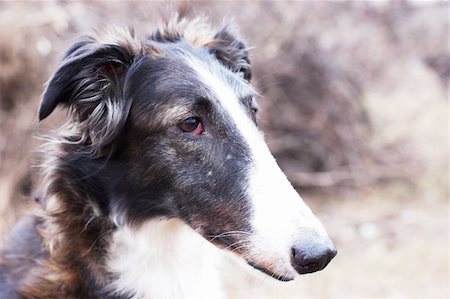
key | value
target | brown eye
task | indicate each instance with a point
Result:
(192, 125)
(253, 111)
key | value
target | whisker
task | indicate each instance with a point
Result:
(229, 233)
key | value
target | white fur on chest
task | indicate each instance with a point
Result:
(164, 259)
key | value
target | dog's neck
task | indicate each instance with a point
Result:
(164, 259)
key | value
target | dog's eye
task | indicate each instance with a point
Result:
(253, 111)
(192, 125)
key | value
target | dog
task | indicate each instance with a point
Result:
(160, 169)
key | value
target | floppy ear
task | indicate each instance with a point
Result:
(89, 81)
(88, 67)
(231, 52)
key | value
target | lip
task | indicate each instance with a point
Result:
(228, 243)
(270, 273)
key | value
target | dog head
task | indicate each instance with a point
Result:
(170, 121)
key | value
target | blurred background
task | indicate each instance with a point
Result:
(354, 100)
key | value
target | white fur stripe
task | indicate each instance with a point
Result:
(279, 214)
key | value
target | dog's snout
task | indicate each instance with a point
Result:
(309, 258)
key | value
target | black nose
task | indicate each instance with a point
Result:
(309, 258)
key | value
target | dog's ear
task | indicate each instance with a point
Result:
(90, 82)
(231, 52)
(88, 72)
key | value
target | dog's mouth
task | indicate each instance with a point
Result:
(230, 245)
(270, 273)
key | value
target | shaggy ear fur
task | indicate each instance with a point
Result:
(232, 52)
(90, 82)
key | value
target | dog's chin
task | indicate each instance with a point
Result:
(270, 273)
(227, 244)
